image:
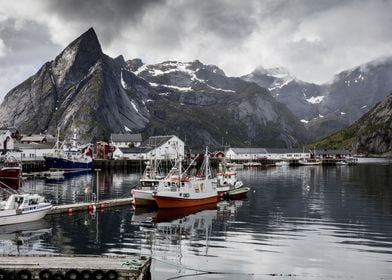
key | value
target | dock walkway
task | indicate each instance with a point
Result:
(89, 206)
(75, 267)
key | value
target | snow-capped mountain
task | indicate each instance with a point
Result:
(85, 89)
(328, 107)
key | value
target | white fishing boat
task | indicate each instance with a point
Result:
(252, 164)
(310, 161)
(142, 194)
(227, 180)
(21, 208)
(282, 163)
(342, 162)
(178, 190)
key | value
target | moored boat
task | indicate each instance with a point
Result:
(142, 194)
(21, 208)
(68, 158)
(10, 172)
(311, 161)
(227, 181)
(178, 190)
(282, 163)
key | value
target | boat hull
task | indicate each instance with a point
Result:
(143, 198)
(9, 217)
(59, 163)
(238, 193)
(179, 202)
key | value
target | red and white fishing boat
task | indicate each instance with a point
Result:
(10, 171)
(178, 190)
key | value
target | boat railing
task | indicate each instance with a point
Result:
(8, 189)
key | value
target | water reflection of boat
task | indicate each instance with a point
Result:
(145, 215)
(13, 238)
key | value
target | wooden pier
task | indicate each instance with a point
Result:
(91, 206)
(75, 267)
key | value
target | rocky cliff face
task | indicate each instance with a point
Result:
(329, 107)
(372, 133)
(84, 89)
(375, 129)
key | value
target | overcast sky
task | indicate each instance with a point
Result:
(314, 39)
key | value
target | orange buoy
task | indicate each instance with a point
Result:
(101, 206)
(90, 207)
(69, 211)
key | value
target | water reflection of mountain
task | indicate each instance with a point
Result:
(24, 238)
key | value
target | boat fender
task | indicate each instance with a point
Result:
(23, 274)
(72, 274)
(99, 275)
(111, 275)
(58, 276)
(86, 275)
(11, 275)
(45, 274)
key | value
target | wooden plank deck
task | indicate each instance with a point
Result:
(127, 268)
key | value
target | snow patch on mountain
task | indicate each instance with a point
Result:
(315, 99)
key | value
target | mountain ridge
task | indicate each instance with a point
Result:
(84, 89)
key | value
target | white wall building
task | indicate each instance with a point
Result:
(159, 147)
(34, 151)
(265, 153)
(125, 140)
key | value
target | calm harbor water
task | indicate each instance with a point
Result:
(297, 223)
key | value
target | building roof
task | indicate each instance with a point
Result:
(34, 138)
(249, 150)
(156, 141)
(286, 150)
(126, 137)
(135, 150)
(332, 152)
(33, 146)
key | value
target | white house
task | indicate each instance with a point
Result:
(159, 147)
(6, 140)
(125, 140)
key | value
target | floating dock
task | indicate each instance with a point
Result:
(75, 267)
(90, 206)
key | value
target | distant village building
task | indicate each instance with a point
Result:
(103, 150)
(6, 140)
(246, 153)
(125, 140)
(287, 154)
(33, 151)
(159, 147)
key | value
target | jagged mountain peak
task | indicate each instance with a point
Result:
(80, 55)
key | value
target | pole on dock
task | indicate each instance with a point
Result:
(97, 184)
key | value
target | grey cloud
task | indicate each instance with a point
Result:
(108, 17)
